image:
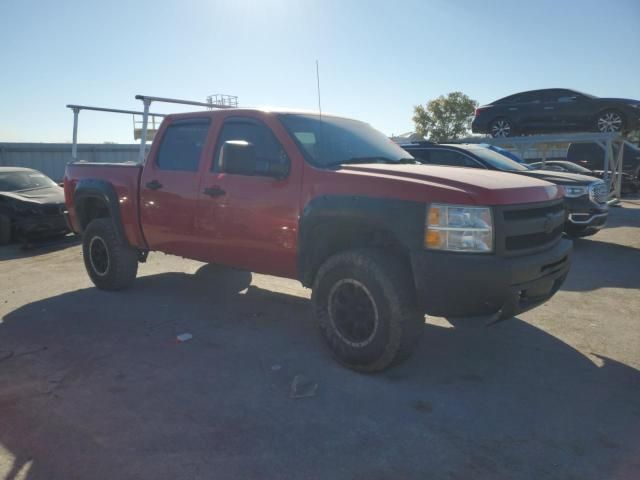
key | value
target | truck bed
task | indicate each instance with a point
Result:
(125, 180)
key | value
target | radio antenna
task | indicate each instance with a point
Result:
(318, 83)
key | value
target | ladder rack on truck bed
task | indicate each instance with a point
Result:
(76, 111)
(226, 101)
(147, 100)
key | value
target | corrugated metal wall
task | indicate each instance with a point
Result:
(51, 158)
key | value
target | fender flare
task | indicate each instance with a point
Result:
(103, 191)
(400, 221)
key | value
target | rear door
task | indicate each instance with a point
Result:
(524, 109)
(169, 185)
(251, 221)
(570, 109)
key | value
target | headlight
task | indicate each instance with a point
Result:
(573, 191)
(459, 228)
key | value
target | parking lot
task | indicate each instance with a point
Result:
(94, 385)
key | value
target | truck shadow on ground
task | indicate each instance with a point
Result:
(93, 385)
(599, 264)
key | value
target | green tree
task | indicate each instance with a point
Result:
(445, 118)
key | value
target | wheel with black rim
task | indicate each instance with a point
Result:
(501, 127)
(364, 303)
(5, 230)
(610, 121)
(110, 263)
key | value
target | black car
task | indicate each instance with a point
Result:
(591, 155)
(629, 184)
(555, 110)
(31, 205)
(585, 196)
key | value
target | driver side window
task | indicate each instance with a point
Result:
(268, 150)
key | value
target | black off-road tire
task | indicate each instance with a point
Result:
(119, 269)
(384, 282)
(5, 230)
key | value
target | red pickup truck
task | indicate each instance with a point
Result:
(333, 203)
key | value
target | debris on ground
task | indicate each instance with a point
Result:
(302, 387)
(183, 337)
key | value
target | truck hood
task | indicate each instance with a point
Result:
(42, 196)
(482, 187)
(560, 178)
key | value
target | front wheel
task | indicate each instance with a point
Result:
(110, 263)
(501, 127)
(610, 121)
(364, 303)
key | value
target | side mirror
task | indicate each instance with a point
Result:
(238, 157)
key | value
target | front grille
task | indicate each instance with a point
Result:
(598, 192)
(532, 240)
(534, 212)
(531, 227)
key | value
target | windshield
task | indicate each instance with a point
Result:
(23, 180)
(499, 161)
(335, 141)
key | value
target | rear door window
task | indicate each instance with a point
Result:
(182, 144)
(529, 97)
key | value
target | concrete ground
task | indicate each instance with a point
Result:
(94, 386)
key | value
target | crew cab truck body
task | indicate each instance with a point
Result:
(330, 202)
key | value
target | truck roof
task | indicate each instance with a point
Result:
(16, 169)
(241, 111)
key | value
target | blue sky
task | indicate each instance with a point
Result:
(377, 58)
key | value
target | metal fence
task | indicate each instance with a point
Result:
(51, 158)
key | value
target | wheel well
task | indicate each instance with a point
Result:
(90, 208)
(612, 109)
(327, 239)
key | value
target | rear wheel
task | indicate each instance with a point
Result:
(5, 230)
(610, 121)
(365, 305)
(111, 264)
(501, 127)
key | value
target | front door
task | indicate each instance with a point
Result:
(251, 221)
(170, 184)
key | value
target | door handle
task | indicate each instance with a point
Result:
(214, 191)
(513, 108)
(548, 108)
(153, 185)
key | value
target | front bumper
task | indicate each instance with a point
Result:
(460, 285)
(585, 216)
